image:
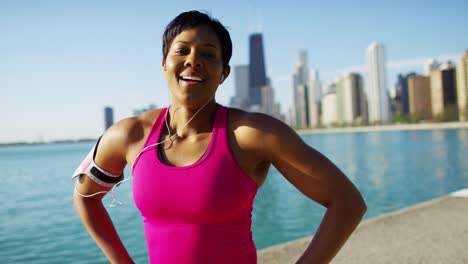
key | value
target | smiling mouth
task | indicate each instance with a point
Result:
(190, 79)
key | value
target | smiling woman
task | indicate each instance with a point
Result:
(197, 165)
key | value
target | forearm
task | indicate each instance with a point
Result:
(340, 220)
(99, 225)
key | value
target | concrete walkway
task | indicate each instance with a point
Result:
(392, 127)
(432, 232)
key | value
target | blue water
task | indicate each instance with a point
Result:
(392, 170)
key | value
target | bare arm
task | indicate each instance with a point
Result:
(320, 180)
(99, 225)
(111, 157)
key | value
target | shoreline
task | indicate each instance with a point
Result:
(64, 141)
(377, 128)
(380, 128)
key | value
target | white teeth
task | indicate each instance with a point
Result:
(191, 78)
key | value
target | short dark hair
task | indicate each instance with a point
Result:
(192, 19)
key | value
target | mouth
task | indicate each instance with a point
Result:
(191, 79)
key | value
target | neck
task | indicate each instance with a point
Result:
(187, 121)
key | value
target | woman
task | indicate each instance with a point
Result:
(197, 165)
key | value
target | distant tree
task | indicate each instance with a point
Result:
(401, 118)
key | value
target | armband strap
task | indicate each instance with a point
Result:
(96, 173)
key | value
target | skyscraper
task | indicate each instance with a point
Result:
(108, 117)
(444, 93)
(462, 87)
(315, 96)
(257, 72)
(376, 84)
(350, 99)
(253, 89)
(329, 109)
(269, 106)
(402, 90)
(316, 85)
(300, 92)
(419, 90)
(303, 105)
(241, 82)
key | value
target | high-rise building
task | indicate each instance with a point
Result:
(315, 94)
(241, 82)
(314, 103)
(339, 99)
(402, 91)
(268, 99)
(316, 85)
(108, 117)
(329, 87)
(420, 97)
(376, 84)
(269, 106)
(303, 105)
(462, 87)
(329, 109)
(300, 92)
(351, 106)
(257, 71)
(444, 92)
(395, 100)
(253, 89)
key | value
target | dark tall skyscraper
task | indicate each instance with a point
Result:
(444, 90)
(257, 72)
(108, 117)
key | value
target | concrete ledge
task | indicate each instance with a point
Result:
(431, 232)
(393, 127)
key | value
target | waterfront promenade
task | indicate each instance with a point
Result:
(435, 231)
(392, 127)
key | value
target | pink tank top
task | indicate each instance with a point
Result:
(200, 213)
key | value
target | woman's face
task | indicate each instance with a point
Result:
(194, 66)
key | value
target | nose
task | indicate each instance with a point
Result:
(193, 59)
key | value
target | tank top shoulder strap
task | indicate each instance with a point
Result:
(153, 136)
(221, 125)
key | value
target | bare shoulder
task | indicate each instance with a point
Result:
(125, 137)
(257, 124)
(258, 131)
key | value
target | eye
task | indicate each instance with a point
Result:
(180, 51)
(209, 55)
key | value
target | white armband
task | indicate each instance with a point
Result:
(96, 173)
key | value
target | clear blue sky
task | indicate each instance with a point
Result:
(61, 62)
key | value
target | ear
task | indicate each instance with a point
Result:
(225, 74)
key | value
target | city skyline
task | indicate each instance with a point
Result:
(63, 62)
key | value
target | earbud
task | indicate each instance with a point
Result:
(222, 79)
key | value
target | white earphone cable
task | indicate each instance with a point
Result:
(116, 202)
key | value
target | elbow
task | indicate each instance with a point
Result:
(361, 206)
(353, 204)
(358, 204)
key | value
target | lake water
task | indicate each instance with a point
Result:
(392, 170)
